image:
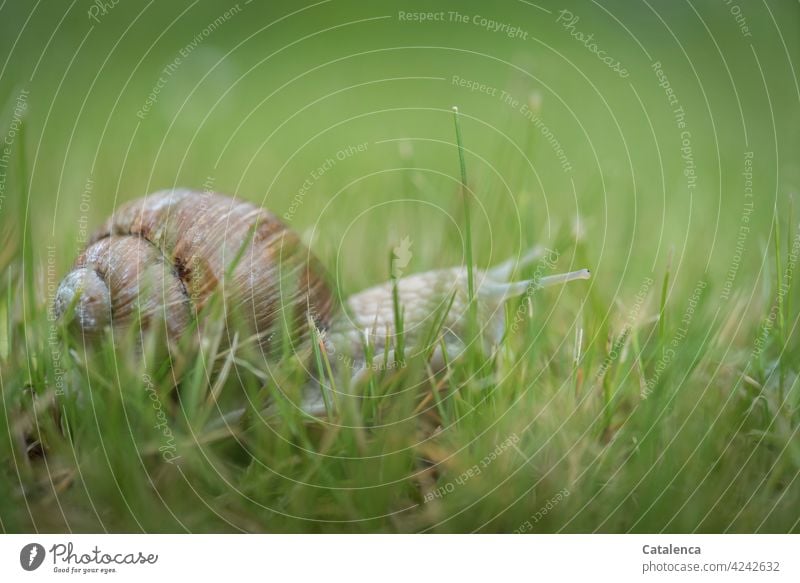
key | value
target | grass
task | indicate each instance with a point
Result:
(644, 400)
(91, 460)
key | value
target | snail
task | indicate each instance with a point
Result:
(164, 255)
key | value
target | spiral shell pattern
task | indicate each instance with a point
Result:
(164, 255)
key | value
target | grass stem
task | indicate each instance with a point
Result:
(472, 308)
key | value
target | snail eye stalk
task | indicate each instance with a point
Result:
(506, 290)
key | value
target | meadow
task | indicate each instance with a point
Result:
(654, 143)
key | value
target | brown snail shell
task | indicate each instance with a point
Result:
(164, 255)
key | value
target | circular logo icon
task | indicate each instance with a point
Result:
(31, 556)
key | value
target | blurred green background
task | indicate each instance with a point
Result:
(275, 89)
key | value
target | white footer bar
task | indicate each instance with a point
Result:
(406, 558)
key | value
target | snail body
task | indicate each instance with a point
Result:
(164, 255)
(369, 315)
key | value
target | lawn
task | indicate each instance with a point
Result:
(652, 143)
